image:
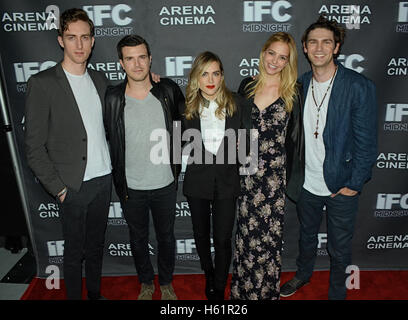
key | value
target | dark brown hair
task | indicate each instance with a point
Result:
(73, 15)
(132, 40)
(339, 33)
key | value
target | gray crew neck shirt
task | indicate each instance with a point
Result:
(147, 161)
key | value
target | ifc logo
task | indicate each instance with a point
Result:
(24, 70)
(403, 12)
(395, 112)
(176, 66)
(387, 201)
(55, 248)
(99, 13)
(254, 11)
(352, 61)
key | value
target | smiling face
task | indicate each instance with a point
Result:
(320, 47)
(136, 62)
(276, 57)
(210, 80)
(77, 43)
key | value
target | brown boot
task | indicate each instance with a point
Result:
(168, 292)
(146, 292)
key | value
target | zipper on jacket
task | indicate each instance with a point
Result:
(166, 113)
(122, 134)
(171, 144)
(174, 165)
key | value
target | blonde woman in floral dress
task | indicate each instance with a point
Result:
(273, 108)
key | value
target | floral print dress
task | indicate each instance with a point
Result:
(258, 241)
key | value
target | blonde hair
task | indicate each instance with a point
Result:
(288, 75)
(194, 99)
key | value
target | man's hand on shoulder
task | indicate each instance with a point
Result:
(61, 195)
(155, 77)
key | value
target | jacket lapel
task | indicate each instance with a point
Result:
(100, 86)
(306, 82)
(196, 123)
(229, 123)
(333, 107)
(63, 82)
(334, 96)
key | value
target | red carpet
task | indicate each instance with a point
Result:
(374, 285)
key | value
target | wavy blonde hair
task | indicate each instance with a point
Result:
(288, 75)
(224, 98)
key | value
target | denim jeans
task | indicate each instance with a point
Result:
(162, 204)
(341, 213)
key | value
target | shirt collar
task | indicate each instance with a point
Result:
(205, 103)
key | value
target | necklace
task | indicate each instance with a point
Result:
(316, 133)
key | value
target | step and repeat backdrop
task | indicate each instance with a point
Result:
(177, 31)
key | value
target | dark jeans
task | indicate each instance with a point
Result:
(341, 213)
(162, 203)
(223, 218)
(84, 215)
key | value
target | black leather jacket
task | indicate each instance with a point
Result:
(172, 101)
(294, 143)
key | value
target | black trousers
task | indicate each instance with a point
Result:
(162, 204)
(222, 212)
(84, 216)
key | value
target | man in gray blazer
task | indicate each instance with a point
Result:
(67, 150)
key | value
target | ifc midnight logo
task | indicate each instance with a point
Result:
(266, 16)
(396, 117)
(391, 205)
(116, 16)
(177, 68)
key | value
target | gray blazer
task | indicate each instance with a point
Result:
(55, 136)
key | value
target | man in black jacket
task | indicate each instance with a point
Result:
(138, 111)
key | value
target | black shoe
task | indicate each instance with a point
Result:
(13, 244)
(100, 297)
(219, 295)
(290, 287)
(209, 285)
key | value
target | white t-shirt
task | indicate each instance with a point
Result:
(212, 128)
(98, 159)
(314, 148)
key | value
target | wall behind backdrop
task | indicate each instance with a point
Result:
(376, 46)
